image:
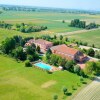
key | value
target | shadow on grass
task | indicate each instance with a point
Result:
(84, 82)
(74, 89)
(69, 94)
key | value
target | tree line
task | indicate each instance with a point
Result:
(90, 52)
(14, 48)
(18, 9)
(82, 24)
(25, 28)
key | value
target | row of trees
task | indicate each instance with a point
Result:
(25, 28)
(16, 8)
(14, 47)
(82, 24)
(91, 53)
(64, 40)
(5, 25)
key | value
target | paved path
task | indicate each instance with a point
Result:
(91, 92)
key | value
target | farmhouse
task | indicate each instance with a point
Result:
(68, 53)
(43, 44)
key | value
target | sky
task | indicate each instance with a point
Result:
(71, 4)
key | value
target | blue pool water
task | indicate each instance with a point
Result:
(43, 66)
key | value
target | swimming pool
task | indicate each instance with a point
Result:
(43, 66)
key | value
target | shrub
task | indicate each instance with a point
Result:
(30, 57)
(77, 69)
(28, 64)
(64, 90)
(55, 97)
(91, 52)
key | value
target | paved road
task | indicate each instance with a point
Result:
(91, 92)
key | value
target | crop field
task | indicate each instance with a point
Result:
(91, 92)
(20, 83)
(50, 19)
(92, 37)
(54, 23)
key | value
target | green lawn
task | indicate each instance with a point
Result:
(92, 37)
(20, 83)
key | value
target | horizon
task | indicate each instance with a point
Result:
(78, 5)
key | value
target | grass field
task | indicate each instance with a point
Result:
(92, 37)
(20, 83)
(4, 33)
(50, 19)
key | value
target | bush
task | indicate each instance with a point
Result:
(65, 90)
(91, 52)
(30, 57)
(28, 64)
(77, 69)
(55, 97)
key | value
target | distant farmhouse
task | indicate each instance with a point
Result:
(68, 53)
(43, 44)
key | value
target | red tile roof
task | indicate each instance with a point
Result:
(64, 49)
(41, 41)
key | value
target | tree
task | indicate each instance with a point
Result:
(54, 59)
(63, 21)
(97, 54)
(30, 50)
(78, 23)
(65, 90)
(55, 37)
(97, 69)
(61, 37)
(30, 58)
(22, 29)
(8, 45)
(69, 65)
(38, 49)
(91, 52)
(19, 54)
(61, 61)
(49, 52)
(66, 39)
(93, 45)
(77, 69)
(81, 73)
(90, 68)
